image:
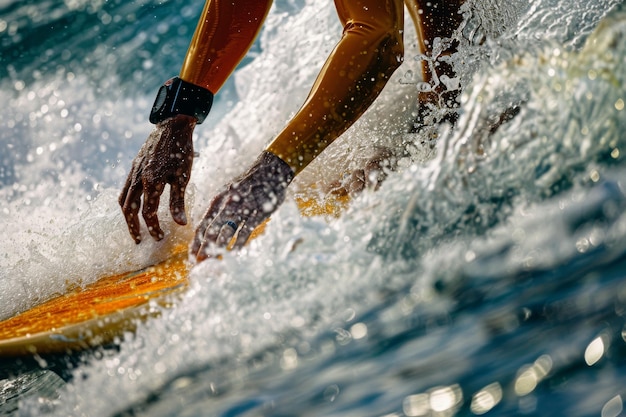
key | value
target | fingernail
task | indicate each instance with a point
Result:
(201, 256)
(181, 218)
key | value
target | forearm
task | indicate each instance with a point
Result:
(225, 32)
(368, 53)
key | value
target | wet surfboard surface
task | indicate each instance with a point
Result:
(94, 315)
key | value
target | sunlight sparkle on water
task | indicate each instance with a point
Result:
(613, 407)
(358, 331)
(530, 376)
(441, 400)
(487, 398)
(289, 359)
(594, 351)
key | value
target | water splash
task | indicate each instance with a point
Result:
(565, 130)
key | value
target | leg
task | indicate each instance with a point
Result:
(225, 32)
(370, 50)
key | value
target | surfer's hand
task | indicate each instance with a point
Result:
(370, 176)
(165, 158)
(243, 205)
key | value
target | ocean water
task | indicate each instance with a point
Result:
(486, 276)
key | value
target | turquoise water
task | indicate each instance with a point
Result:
(486, 276)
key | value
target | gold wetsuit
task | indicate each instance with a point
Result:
(370, 50)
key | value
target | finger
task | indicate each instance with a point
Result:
(211, 233)
(357, 182)
(207, 242)
(177, 199)
(130, 202)
(243, 236)
(201, 253)
(151, 198)
(211, 213)
(227, 231)
(373, 177)
(218, 234)
(198, 240)
(201, 256)
(206, 250)
(337, 188)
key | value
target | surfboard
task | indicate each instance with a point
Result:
(97, 314)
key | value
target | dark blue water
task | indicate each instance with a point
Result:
(486, 277)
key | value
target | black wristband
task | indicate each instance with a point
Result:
(180, 97)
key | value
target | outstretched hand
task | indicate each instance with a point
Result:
(165, 158)
(243, 205)
(371, 175)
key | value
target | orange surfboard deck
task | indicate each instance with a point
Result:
(94, 315)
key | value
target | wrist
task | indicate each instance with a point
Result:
(179, 97)
(179, 123)
(275, 168)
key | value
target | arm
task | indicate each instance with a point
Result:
(432, 19)
(354, 74)
(225, 32)
(356, 71)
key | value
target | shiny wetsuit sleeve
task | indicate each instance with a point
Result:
(368, 52)
(226, 30)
